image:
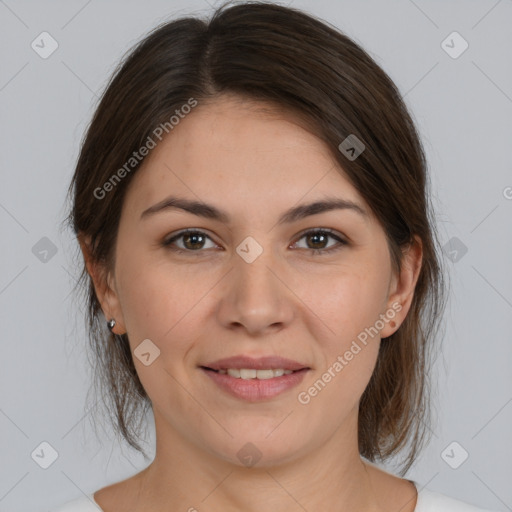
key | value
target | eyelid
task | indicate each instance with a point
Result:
(329, 231)
(340, 239)
(167, 242)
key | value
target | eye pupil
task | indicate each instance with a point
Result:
(195, 244)
(317, 236)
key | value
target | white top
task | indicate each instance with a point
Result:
(428, 501)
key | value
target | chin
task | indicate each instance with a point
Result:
(260, 450)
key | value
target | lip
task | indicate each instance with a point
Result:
(255, 390)
(260, 363)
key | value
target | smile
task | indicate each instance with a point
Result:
(250, 373)
(253, 385)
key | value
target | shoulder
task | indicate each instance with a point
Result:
(82, 504)
(431, 501)
(116, 496)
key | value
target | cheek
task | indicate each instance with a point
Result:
(349, 304)
(162, 304)
(161, 301)
(348, 301)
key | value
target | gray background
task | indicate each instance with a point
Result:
(463, 108)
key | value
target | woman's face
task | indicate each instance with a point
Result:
(252, 280)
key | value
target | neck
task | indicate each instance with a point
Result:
(331, 476)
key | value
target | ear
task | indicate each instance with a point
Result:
(104, 285)
(401, 289)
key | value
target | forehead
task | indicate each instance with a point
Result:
(241, 151)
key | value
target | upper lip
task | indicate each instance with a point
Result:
(260, 363)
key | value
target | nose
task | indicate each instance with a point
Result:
(255, 297)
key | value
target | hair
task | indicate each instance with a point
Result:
(290, 60)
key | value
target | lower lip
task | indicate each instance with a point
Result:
(255, 390)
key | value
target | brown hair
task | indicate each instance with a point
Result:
(293, 61)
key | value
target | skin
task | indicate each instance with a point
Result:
(200, 306)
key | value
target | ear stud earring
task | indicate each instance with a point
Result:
(111, 323)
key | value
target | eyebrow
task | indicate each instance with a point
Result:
(292, 215)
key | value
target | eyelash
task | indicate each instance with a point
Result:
(319, 252)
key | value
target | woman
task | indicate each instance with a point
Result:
(263, 271)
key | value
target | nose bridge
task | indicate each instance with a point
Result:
(256, 275)
(255, 297)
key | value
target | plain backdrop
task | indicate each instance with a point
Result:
(463, 107)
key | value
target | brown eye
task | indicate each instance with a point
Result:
(317, 241)
(190, 240)
(193, 240)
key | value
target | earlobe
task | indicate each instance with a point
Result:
(402, 289)
(103, 286)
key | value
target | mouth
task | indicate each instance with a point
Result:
(255, 380)
(247, 364)
(252, 373)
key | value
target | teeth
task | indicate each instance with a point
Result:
(246, 373)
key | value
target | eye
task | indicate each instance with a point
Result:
(192, 239)
(316, 240)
